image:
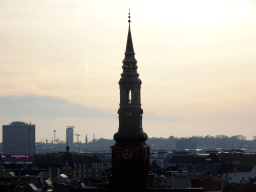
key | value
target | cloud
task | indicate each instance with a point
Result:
(16, 107)
(47, 107)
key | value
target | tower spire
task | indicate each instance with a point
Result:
(130, 153)
(130, 112)
(129, 52)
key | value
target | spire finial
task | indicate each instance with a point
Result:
(129, 18)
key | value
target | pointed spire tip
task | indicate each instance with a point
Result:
(129, 19)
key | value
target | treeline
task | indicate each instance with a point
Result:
(218, 141)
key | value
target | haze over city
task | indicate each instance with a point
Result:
(61, 62)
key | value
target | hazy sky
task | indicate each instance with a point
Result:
(60, 63)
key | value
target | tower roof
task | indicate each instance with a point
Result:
(129, 52)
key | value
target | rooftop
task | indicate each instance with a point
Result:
(18, 123)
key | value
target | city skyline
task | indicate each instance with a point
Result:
(61, 63)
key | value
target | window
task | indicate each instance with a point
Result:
(74, 164)
(79, 165)
(89, 170)
(84, 165)
(96, 170)
(130, 97)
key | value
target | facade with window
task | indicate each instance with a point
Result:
(88, 167)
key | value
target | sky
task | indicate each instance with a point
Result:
(60, 63)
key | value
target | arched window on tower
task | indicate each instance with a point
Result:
(129, 96)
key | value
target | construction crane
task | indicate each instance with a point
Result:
(77, 136)
(54, 135)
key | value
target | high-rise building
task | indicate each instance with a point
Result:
(18, 138)
(130, 154)
(70, 137)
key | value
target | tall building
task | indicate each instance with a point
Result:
(18, 138)
(130, 154)
(70, 137)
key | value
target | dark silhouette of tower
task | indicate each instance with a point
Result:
(130, 154)
(68, 157)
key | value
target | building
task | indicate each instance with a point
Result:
(183, 144)
(88, 167)
(70, 137)
(130, 153)
(18, 138)
(237, 173)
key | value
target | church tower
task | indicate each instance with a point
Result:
(130, 154)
